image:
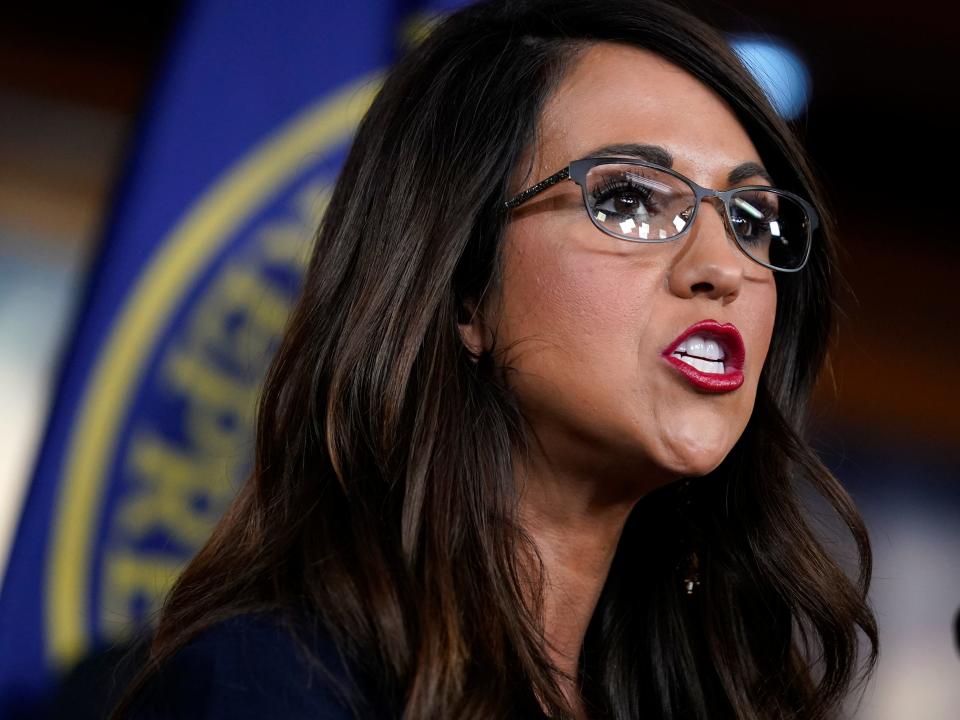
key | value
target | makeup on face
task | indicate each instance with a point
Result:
(587, 318)
(709, 355)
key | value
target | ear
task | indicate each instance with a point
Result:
(473, 330)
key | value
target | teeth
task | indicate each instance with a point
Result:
(712, 351)
(702, 347)
(707, 366)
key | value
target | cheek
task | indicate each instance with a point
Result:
(762, 314)
(582, 309)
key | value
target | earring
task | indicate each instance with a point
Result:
(691, 574)
(691, 578)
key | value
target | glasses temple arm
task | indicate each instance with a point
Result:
(537, 189)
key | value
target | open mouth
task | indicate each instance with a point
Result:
(703, 352)
(710, 355)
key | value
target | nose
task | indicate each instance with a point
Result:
(708, 261)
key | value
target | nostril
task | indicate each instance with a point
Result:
(702, 287)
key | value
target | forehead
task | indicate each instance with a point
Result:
(618, 94)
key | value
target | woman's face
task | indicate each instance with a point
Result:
(583, 318)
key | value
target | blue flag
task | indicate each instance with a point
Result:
(151, 431)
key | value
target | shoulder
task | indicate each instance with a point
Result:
(250, 666)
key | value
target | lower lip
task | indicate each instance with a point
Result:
(708, 382)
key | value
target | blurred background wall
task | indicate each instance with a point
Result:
(880, 124)
(71, 84)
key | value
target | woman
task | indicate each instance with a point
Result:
(531, 443)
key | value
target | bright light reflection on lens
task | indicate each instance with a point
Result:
(748, 208)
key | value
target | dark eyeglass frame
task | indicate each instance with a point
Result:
(578, 169)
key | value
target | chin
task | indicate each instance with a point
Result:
(700, 466)
(695, 456)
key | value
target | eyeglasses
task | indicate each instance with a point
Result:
(638, 201)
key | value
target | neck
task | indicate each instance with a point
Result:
(575, 523)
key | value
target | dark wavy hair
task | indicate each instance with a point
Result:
(382, 502)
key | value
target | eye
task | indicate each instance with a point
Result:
(752, 215)
(622, 196)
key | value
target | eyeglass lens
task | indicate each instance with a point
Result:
(644, 204)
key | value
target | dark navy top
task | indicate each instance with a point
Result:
(247, 667)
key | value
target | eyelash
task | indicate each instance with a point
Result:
(768, 209)
(614, 184)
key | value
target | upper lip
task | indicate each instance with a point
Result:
(726, 335)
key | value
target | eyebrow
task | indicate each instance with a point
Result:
(661, 156)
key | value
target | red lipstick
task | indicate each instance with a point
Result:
(732, 352)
